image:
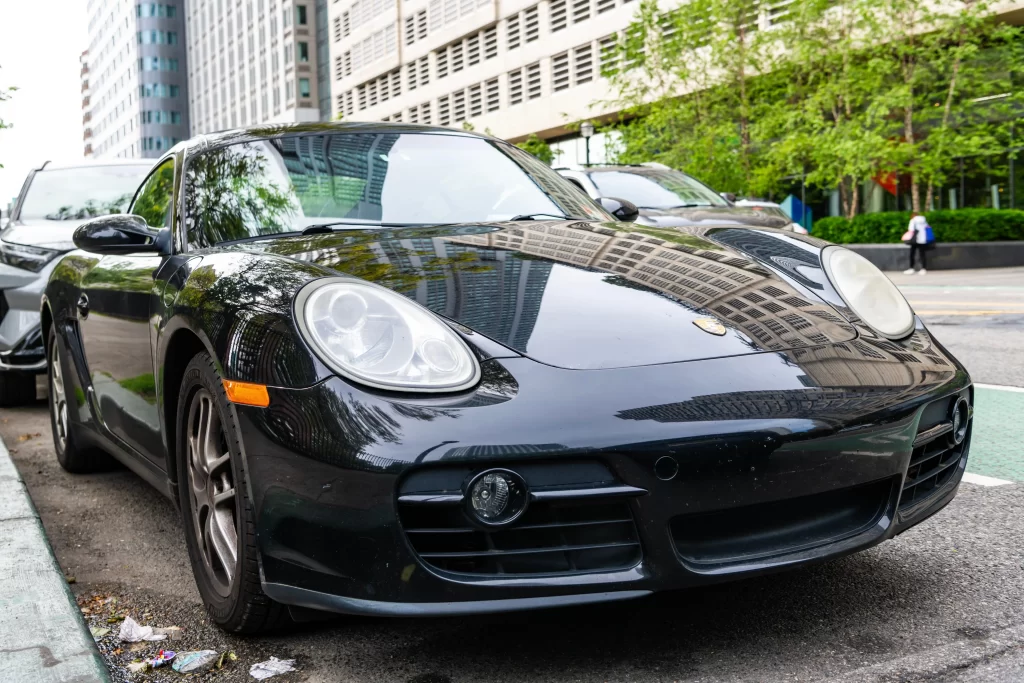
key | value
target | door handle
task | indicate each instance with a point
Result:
(83, 306)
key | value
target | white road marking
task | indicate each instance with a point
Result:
(982, 480)
(1000, 387)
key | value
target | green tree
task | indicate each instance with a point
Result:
(538, 148)
(688, 80)
(5, 94)
(969, 78)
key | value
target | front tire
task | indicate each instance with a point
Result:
(70, 454)
(216, 511)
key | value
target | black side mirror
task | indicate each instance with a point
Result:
(622, 209)
(728, 196)
(121, 234)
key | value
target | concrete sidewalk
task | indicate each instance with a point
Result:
(42, 634)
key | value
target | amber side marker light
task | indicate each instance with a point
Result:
(247, 394)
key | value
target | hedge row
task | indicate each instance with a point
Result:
(961, 225)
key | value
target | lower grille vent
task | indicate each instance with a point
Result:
(936, 455)
(552, 537)
(931, 467)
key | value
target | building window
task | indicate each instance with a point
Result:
(557, 15)
(492, 94)
(300, 15)
(303, 87)
(515, 87)
(533, 85)
(303, 49)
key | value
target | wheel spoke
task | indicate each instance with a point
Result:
(219, 462)
(205, 541)
(58, 400)
(222, 532)
(220, 498)
(205, 435)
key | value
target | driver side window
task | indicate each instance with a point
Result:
(154, 199)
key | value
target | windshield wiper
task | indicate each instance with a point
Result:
(533, 217)
(668, 208)
(330, 227)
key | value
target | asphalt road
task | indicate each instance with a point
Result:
(943, 603)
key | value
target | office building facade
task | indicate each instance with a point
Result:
(134, 89)
(512, 68)
(251, 62)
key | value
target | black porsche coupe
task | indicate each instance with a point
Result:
(391, 369)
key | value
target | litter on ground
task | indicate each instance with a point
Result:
(271, 667)
(132, 632)
(196, 662)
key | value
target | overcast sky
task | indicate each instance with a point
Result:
(40, 43)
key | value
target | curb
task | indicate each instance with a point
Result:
(43, 636)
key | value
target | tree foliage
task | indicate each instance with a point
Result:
(5, 94)
(836, 91)
(538, 148)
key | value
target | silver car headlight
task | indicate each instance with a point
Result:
(26, 257)
(868, 292)
(376, 337)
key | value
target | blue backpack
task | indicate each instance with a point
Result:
(929, 236)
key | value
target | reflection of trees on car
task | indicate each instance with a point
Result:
(91, 209)
(123, 274)
(228, 191)
(357, 253)
(155, 199)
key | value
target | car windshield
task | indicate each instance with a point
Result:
(655, 189)
(75, 193)
(289, 184)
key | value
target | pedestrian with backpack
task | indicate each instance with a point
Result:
(920, 238)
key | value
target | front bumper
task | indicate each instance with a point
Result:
(770, 474)
(21, 340)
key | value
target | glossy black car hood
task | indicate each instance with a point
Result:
(582, 295)
(712, 215)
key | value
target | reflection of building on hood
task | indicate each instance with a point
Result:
(690, 270)
(734, 289)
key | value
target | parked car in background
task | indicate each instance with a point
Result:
(669, 198)
(54, 200)
(770, 209)
(380, 385)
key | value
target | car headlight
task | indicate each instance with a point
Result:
(26, 257)
(868, 292)
(382, 339)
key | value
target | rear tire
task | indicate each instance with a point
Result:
(17, 389)
(215, 507)
(70, 454)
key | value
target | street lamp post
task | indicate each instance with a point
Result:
(587, 131)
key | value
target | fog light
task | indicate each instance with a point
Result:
(497, 497)
(961, 417)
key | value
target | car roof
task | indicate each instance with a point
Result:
(94, 163)
(276, 130)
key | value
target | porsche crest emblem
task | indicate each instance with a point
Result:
(710, 325)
